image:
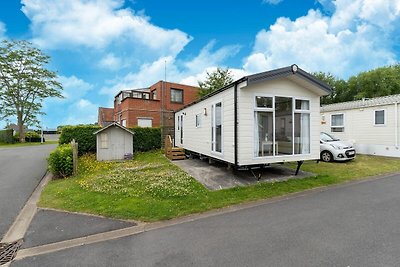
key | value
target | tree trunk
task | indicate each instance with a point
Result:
(21, 129)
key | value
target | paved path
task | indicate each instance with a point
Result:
(353, 225)
(21, 169)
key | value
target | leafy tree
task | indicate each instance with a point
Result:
(215, 80)
(373, 83)
(24, 83)
(377, 82)
(338, 86)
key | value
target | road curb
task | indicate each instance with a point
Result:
(24, 218)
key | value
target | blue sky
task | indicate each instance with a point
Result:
(99, 47)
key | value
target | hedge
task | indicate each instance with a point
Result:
(146, 139)
(33, 137)
(6, 136)
(60, 161)
(83, 135)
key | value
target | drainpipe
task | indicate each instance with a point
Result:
(396, 123)
(235, 119)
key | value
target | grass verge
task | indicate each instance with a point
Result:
(150, 188)
(27, 144)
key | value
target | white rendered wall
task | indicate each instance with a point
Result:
(368, 138)
(198, 139)
(284, 88)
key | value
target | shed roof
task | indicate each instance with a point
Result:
(363, 103)
(114, 124)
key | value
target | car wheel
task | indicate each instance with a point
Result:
(326, 156)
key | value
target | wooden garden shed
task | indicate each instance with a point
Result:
(114, 142)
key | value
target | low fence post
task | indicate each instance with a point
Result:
(74, 146)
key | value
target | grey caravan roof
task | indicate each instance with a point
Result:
(271, 75)
(363, 103)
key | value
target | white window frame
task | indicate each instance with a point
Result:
(214, 132)
(384, 117)
(145, 118)
(294, 110)
(198, 120)
(302, 111)
(338, 126)
(272, 110)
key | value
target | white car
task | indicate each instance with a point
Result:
(333, 149)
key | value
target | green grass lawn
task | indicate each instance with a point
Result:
(28, 144)
(150, 188)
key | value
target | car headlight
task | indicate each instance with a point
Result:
(336, 147)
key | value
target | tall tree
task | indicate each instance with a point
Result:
(215, 80)
(373, 83)
(338, 86)
(24, 83)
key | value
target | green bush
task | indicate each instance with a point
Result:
(6, 136)
(146, 139)
(83, 135)
(60, 161)
(33, 137)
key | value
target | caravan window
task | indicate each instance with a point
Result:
(379, 118)
(216, 127)
(282, 127)
(337, 123)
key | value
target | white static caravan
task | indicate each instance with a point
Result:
(372, 124)
(264, 118)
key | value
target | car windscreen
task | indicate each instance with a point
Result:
(327, 138)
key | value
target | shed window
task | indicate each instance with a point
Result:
(104, 140)
(198, 120)
(337, 123)
(379, 117)
(176, 96)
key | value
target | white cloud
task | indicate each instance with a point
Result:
(207, 57)
(188, 72)
(74, 88)
(272, 2)
(97, 24)
(2, 30)
(358, 36)
(82, 111)
(111, 62)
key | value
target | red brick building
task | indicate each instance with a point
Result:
(149, 107)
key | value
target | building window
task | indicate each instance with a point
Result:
(198, 120)
(123, 123)
(176, 95)
(154, 94)
(337, 123)
(145, 122)
(104, 140)
(379, 117)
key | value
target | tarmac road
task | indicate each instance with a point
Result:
(21, 169)
(349, 225)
